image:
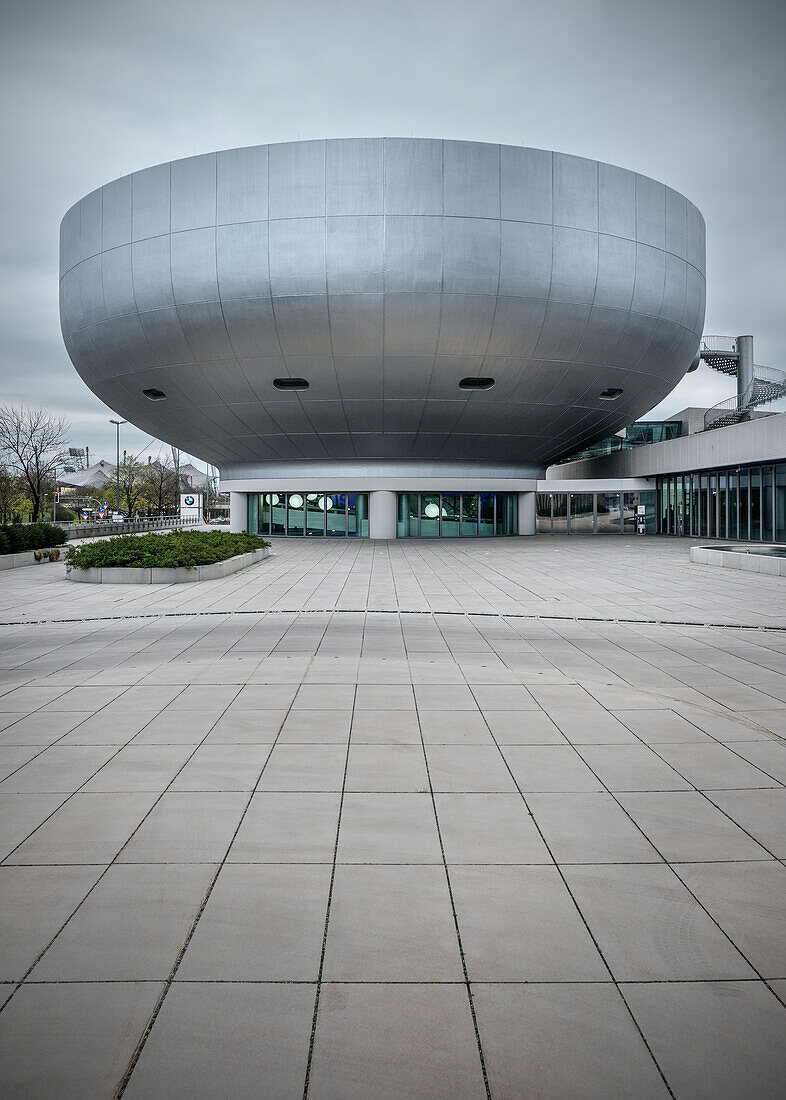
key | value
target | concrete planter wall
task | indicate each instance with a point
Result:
(30, 557)
(125, 575)
(733, 559)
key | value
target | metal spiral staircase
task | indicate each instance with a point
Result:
(756, 385)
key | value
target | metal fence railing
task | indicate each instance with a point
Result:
(94, 530)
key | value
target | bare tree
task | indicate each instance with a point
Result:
(161, 486)
(11, 496)
(33, 442)
(133, 482)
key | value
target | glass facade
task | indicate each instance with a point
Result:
(743, 504)
(596, 513)
(456, 515)
(321, 515)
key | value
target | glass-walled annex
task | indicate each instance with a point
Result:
(606, 513)
(745, 504)
(322, 515)
(456, 515)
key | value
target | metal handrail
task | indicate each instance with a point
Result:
(769, 374)
(723, 345)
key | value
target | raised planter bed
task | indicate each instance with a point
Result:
(181, 575)
(30, 557)
(770, 559)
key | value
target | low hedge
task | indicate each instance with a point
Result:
(17, 537)
(171, 551)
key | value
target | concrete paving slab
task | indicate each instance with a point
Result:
(649, 927)
(130, 927)
(37, 901)
(748, 900)
(563, 1042)
(388, 828)
(737, 1036)
(287, 827)
(395, 1041)
(520, 924)
(227, 1039)
(72, 1040)
(261, 923)
(488, 829)
(589, 828)
(685, 826)
(389, 924)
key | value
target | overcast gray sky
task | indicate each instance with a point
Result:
(692, 92)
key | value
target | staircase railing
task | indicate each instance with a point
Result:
(721, 345)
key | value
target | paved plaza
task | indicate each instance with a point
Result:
(456, 819)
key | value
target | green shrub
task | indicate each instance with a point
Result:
(16, 537)
(176, 549)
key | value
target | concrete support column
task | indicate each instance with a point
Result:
(527, 515)
(382, 514)
(745, 367)
(238, 511)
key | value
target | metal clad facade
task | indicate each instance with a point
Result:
(382, 271)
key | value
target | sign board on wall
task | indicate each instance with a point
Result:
(190, 505)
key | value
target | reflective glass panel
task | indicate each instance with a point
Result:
(362, 505)
(264, 514)
(755, 504)
(295, 514)
(703, 505)
(582, 513)
(512, 513)
(315, 514)
(451, 515)
(543, 513)
(486, 517)
(766, 503)
(499, 513)
(469, 514)
(429, 515)
(694, 511)
(560, 513)
(780, 503)
(713, 501)
(608, 513)
(414, 515)
(278, 513)
(743, 509)
(252, 524)
(722, 479)
(335, 515)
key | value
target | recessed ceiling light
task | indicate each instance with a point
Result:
(154, 395)
(290, 383)
(611, 394)
(476, 383)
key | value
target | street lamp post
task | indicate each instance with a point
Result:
(117, 424)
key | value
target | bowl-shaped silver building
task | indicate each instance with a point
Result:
(325, 319)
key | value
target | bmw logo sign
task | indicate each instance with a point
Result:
(189, 501)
